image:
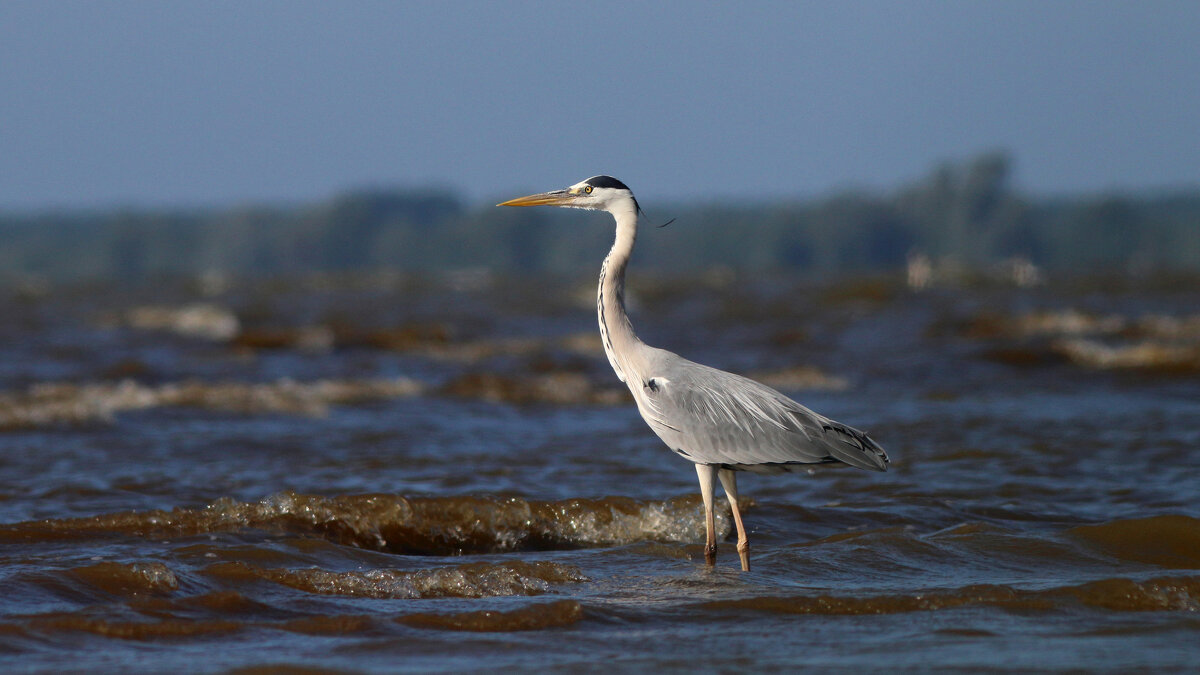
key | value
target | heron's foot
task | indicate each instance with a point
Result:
(744, 554)
(710, 554)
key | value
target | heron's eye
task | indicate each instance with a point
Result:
(587, 189)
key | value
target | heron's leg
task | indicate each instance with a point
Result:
(708, 482)
(729, 482)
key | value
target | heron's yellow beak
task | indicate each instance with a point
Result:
(555, 198)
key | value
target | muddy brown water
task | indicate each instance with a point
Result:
(391, 475)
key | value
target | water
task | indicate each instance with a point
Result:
(395, 475)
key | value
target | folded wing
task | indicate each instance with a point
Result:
(714, 417)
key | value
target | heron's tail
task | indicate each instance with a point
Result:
(854, 447)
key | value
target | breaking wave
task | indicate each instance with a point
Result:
(413, 526)
(166, 611)
(1076, 323)
(473, 580)
(204, 321)
(1145, 355)
(1150, 343)
(65, 404)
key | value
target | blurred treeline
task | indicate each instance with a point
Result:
(966, 216)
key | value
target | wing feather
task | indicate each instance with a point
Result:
(715, 417)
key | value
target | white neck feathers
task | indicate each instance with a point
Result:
(616, 332)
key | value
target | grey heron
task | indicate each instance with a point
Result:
(722, 422)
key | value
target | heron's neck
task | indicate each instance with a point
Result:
(616, 332)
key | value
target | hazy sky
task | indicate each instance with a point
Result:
(156, 102)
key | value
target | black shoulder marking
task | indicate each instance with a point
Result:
(606, 182)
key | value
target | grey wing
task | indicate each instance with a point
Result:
(714, 417)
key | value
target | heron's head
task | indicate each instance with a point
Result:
(598, 193)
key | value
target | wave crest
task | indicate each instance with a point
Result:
(413, 526)
(53, 404)
(534, 617)
(1123, 595)
(1169, 540)
(472, 580)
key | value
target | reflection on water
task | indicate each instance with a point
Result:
(417, 477)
